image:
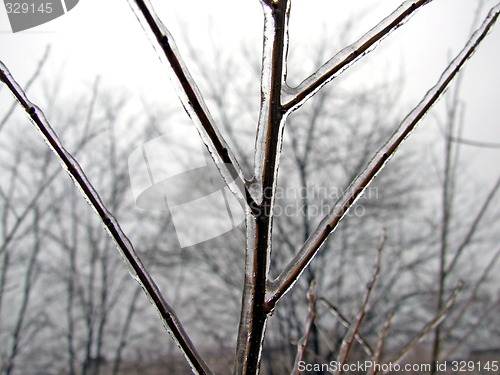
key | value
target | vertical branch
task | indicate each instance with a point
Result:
(259, 221)
(446, 213)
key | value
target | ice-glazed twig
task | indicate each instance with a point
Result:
(192, 100)
(330, 222)
(293, 98)
(345, 322)
(345, 348)
(304, 340)
(473, 228)
(127, 251)
(429, 327)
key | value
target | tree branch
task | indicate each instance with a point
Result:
(473, 227)
(259, 221)
(345, 348)
(192, 100)
(381, 341)
(304, 340)
(330, 222)
(435, 322)
(127, 251)
(293, 98)
(345, 322)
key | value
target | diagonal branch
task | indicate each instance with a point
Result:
(473, 228)
(348, 340)
(295, 97)
(127, 251)
(429, 327)
(345, 322)
(192, 100)
(381, 341)
(330, 222)
(304, 340)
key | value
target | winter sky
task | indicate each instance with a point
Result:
(104, 38)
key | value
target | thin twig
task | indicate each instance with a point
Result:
(481, 320)
(345, 348)
(137, 269)
(345, 322)
(295, 268)
(28, 84)
(304, 340)
(474, 226)
(381, 341)
(429, 327)
(473, 294)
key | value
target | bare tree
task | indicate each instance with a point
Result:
(451, 251)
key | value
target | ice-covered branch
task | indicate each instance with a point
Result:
(125, 247)
(293, 98)
(271, 117)
(191, 99)
(329, 223)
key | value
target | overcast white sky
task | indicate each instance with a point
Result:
(104, 38)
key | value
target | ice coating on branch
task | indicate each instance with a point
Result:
(294, 98)
(243, 328)
(294, 269)
(190, 96)
(265, 100)
(135, 266)
(67, 161)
